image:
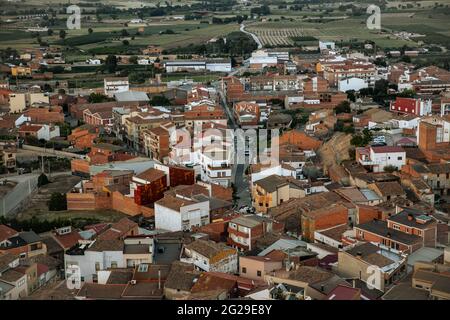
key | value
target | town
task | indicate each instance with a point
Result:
(217, 150)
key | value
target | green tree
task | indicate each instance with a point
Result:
(90, 31)
(57, 202)
(62, 34)
(42, 180)
(111, 63)
(343, 107)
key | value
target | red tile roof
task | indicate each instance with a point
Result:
(387, 149)
(6, 232)
(68, 240)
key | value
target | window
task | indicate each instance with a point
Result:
(258, 273)
(244, 270)
(399, 158)
(396, 227)
(97, 266)
(113, 264)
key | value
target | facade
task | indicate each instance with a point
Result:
(417, 107)
(244, 231)
(256, 268)
(405, 231)
(377, 158)
(207, 255)
(116, 85)
(379, 267)
(176, 213)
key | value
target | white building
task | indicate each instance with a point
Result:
(116, 85)
(379, 157)
(216, 163)
(354, 83)
(94, 61)
(89, 258)
(214, 65)
(209, 256)
(13, 285)
(327, 45)
(279, 170)
(177, 212)
(40, 131)
(261, 59)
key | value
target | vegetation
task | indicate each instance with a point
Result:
(57, 202)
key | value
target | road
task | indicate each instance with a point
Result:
(238, 172)
(242, 29)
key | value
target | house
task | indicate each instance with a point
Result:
(180, 280)
(207, 255)
(354, 84)
(418, 107)
(8, 152)
(18, 102)
(93, 257)
(84, 136)
(244, 231)
(120, 230)
(246, 113)
(378, 158)
(378, 266)
(45, 115)
(269, 192)
(256, 267)
(25, 244)
(433, 138)
(388, 190)
(436, 283)
(435, 175)
(44, 131)
(176, 212)
(405, 231)
(13, 284)
(148, 186)
(325, 217)
(316, 283)
(113, 85)
(156, 142)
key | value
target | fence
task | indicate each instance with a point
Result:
(12, 201)
(58, 153)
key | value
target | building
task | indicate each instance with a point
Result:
(378, 266)
(352, 84)
(207, 255)
(212, 65)
(269, 192)
(246, 113)
(256, 267)
(115, 85)
(436, 175)
(377, 158)
(244, 231)
(433, 138)
(13, 284)
(262, 59)
(8, 151)
(405, 231)
(18, 102)
(417, 107)
(45, 132)
(176, 213)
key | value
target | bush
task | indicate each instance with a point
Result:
(43, 180)
(390, 169)
(58, 202)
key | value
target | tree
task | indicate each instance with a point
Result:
(62, 34)
(125, 42)
(343, 107)
(390, 168)
(97, 98)
(57, 202)
(160, 101)
(90, 30)
(42, 180)
(111, 63)
(49, 32)
(133, 59)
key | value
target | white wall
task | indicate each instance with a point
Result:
(352, 84)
